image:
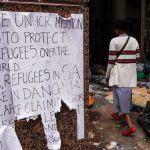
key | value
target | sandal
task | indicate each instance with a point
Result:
(115, 116)
(129, 131)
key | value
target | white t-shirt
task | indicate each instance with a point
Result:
(126, 62)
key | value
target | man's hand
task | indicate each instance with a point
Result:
(107, 80)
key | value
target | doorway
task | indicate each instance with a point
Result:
(102, 14)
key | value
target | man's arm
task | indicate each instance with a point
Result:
(111, 59)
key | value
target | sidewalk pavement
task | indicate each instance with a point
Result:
(106, 133)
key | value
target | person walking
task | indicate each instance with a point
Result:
(121, 72)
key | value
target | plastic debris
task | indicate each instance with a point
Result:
(144, 120)
(112, 144)
(95, 144)
(90, 101)
(140, 67)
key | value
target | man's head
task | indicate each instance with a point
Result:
(121, 26)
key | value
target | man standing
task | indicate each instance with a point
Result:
(121, 72)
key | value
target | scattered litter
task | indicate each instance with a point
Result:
(112, 145)
(91, 135)
(95, 144)
(141, 84)
(90, 101)
(139, 93)
(148, 85)
(111, 101)
(125, 147)
(95, 106)
(117, 146)
(136, 108)
(106, 89)
(96, 89)
(100, 92)
(140, 97)
(144, 120)
(140, 66)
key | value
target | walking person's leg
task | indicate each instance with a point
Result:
(115, 114)
(125, 99)
(131, 128)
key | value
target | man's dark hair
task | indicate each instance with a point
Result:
(121, 24)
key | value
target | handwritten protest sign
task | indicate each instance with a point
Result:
(9, 139)
(41, 64)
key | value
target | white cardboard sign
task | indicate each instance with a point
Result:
(41, 64)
